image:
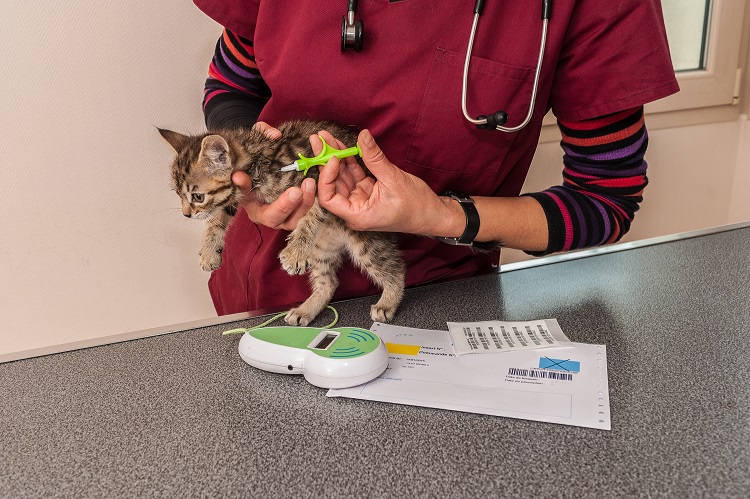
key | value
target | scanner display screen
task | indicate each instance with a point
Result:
(326, 341)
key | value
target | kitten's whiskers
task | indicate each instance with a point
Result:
(217, 221)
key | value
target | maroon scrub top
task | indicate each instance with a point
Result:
(405, 86)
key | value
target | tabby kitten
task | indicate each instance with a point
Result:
(201, 175)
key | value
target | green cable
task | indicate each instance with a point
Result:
(277, 316)
(335, 317)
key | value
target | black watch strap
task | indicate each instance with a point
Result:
(472, 220)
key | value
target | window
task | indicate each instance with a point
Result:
(687, 31)
(704, 38)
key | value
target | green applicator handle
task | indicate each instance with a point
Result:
(303, 164)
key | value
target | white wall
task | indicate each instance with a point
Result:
(92, 240)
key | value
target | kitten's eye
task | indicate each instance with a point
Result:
(198, 198)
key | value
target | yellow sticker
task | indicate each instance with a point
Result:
(399, 349)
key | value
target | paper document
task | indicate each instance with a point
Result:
(565, 385)
(496, 336)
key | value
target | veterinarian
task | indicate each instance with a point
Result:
(399, 76)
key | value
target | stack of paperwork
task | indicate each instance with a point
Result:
(525, 370)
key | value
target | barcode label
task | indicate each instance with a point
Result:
(520, 337)
(507, 337)
(538, 373)
(531, 334)
(470, 338)
(483, 338)
(545, 334)
(497, 336)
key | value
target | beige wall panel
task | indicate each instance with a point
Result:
(92, 240)
(739, 210)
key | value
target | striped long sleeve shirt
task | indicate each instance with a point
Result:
(603, 178)
(234, 93)
(603, 181)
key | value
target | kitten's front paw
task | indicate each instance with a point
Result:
(297, 317)
(380, 313)
(210, 258)
(293, 260)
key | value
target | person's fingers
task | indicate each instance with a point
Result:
(243, 181)
(252, 206)
(350, 171)
(356, 171)
(285, 212)
(375, 159)
(308, 199)
(333, 141)
(345, 181)
(269, 131)
(275, 214)
(327, 180)
(308, 193)
(316, 143)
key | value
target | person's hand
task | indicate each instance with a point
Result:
(288, 209)
(394, 201)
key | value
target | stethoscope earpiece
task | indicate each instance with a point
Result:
(352, 33)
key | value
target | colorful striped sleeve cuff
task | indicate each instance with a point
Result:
(235, 92)
(603, 181)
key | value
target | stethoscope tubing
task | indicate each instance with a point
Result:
(530, 113)
(352, 34)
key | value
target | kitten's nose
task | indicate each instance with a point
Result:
(187, 214)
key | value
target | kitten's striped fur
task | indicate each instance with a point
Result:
(201, 175)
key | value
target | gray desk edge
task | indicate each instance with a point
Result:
(213, 321)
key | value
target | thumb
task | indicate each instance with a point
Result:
(374, 157)
(243, 181)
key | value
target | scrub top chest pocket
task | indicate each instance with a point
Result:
(443, 140)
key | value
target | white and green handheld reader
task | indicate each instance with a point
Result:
(328, 358)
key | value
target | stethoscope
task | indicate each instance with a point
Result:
(352, 34)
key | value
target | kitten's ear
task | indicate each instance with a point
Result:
(176, 140)
(216, 150)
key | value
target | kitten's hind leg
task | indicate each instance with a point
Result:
(325, 261)
(379, 257)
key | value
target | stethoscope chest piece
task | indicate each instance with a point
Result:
(352, 32)
(493, 121)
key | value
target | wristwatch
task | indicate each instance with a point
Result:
(472, 220)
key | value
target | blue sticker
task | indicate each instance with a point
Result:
(567, 365)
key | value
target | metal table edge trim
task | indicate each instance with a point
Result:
(616, 248)
(213, 321)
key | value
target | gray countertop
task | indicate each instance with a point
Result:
(181, 415)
